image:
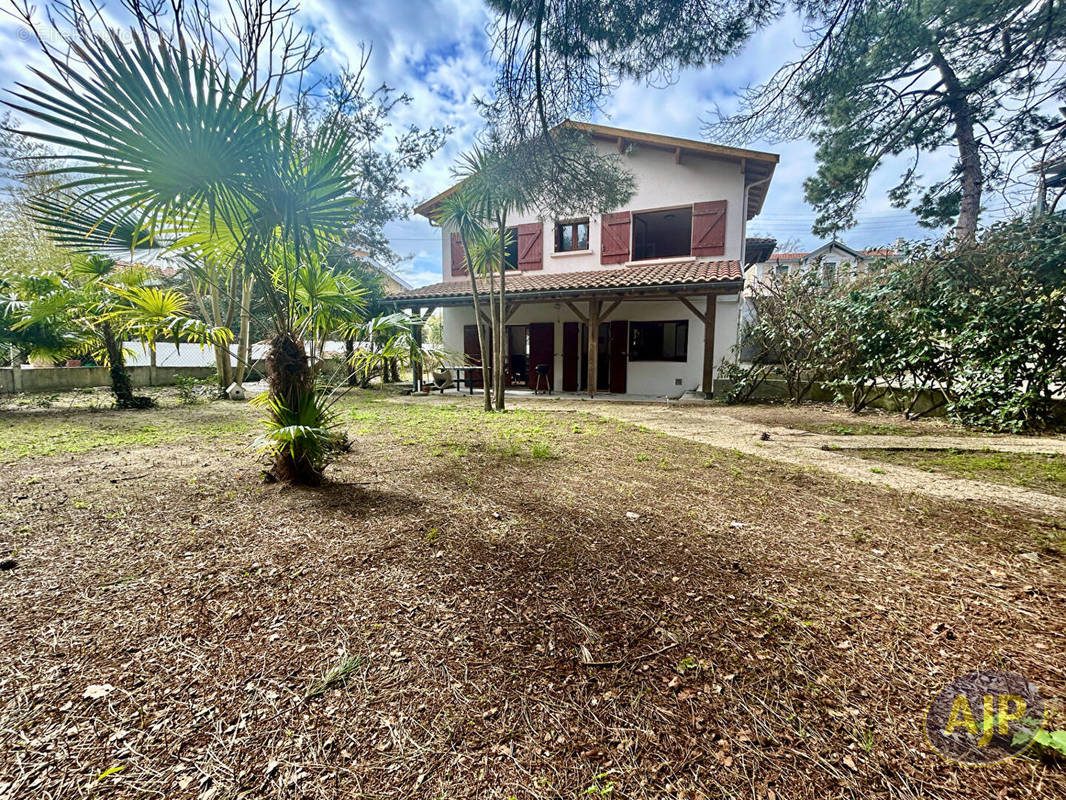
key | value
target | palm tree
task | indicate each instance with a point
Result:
(95, 306)
(163, 147)
(495, 187)
(458, 211)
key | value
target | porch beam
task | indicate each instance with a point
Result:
(511, 308)
(698, 314)
(708, 344)
(610, 309)
(577, 312)
(594, 346)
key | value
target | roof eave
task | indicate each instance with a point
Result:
(607, 133)
(697, 287)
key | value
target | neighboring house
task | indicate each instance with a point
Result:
(657, 283)
(836, 261)
(393, 282)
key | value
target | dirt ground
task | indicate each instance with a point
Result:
(830, 439)
(529, 605)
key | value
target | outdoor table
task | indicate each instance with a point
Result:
(466, 375)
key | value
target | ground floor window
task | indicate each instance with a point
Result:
(658, 341)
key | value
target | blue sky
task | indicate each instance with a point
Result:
(436, 51)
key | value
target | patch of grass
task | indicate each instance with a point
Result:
(335, 676)
(34, 435)
(1045, 472)
(541, 450)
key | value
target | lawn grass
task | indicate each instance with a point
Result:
(38, 433)
(859, 428)
(533, 605)
(1044, 472)
(835, 420)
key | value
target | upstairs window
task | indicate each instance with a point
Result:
(571, 236)
(658, 341)
(511, 249)
(662, 234)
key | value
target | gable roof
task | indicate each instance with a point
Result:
(862, 255)
(758, 165)
(661, 278)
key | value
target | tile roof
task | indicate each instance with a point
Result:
(787, 256)
(663, 274)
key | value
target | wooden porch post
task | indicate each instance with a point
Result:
(708, 345)
(416, 366)
(594, 345)
(707, 318)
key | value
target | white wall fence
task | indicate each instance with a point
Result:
(61, 379)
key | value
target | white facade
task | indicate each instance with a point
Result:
(691, 204)
(649, 378)
(661, 184)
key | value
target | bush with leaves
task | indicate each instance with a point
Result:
(786, 333)
(1003, 301)
(979, 325)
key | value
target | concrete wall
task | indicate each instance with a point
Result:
(661, 184)
(59, 379)
(777, 389)
(654, 378)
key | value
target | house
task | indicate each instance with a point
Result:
(393, 282)
(643, 300)
(836, 261)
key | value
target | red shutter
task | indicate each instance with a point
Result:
(530, 246)
(458, 255)
(708, 228)
(614, 236)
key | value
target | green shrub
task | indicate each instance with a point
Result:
(979, 324)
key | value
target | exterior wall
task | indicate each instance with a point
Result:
(652, 378)
(661, 184)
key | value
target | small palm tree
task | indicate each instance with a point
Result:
(96, 305)
(162, 148)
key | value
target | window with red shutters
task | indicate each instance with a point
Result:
(614, 238)
(458, 255)
(708, 228)
(530, 246)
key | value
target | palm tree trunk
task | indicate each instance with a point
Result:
(478, 322)
(121, 385)
(349, 353)
(222, 357)
(500, 377)
(292, 385)
(244, 342)
(489, 358)
(221, 350)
